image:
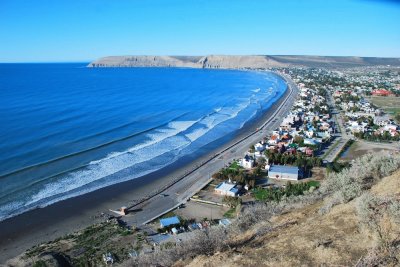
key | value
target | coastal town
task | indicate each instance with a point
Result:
(332, 111)
(199, 133)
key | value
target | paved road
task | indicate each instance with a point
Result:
(181, 191)
(340, 137)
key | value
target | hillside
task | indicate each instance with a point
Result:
(232, 62)
(306, 238)
(352, 219)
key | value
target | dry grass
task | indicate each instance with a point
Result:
(360, 148)
(390, 104)
(308, 238)
(385, 101)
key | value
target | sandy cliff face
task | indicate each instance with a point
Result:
(231, 62)
(144, 61)
(240, 62)
(222, 62)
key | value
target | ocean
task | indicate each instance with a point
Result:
(66, 130)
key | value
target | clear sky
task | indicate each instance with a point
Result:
(82, 30)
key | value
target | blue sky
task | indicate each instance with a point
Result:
(67, 30)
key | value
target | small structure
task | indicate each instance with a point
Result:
(248, 162)
(122, 211)
(169, 221)
(284, 172)
(174, 231)
(108, 258)
(227, 189)
(224, 222)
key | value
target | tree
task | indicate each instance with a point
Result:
(261, 161)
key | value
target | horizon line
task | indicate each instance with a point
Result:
(89, 61)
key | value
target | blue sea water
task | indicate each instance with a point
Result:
(66, 130)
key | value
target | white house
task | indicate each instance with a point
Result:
(259, 147)
(248, 162)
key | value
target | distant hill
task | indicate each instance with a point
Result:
(252, 62)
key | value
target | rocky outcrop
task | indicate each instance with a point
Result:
(240, 62)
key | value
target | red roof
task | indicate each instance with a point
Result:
(381, 92)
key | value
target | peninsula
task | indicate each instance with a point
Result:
(241, 62)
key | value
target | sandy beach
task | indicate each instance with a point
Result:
(176, 181)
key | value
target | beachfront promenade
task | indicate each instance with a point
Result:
(185, 186)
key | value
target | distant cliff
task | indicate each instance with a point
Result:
(233, 62)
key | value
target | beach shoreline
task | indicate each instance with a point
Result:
(41, 225)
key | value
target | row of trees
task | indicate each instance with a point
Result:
(276, 194)
(240, 176)
(299, 160)
(377, 137)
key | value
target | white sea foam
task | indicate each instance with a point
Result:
(197, 133)
(221, 116)
(172, 129)
(161, 141)
(256, 90)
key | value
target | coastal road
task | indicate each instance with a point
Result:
(182, 190)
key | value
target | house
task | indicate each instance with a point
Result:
(259, 147)
(273, 140)
(308, 151)
(381, 120)
(169, 221)
(310, 141)
(337, 94)
(284, 172)
(227, 189)
(381, 92)
(248, 162)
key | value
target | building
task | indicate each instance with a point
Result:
(381, 92)
(284, 172)
(169, 221)
(248, 162)
(259, 147)
(227, 189)
(224, 222)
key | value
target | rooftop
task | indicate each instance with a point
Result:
(284, 169)
(169, 221)
(224, 186)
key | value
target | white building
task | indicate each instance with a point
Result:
(248, 162)
(259, 147)
(227, 189)
(284, 172)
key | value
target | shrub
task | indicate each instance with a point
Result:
(353, 181)
(381, 216)
(204, 242)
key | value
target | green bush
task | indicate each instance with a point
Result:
(276, 194)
